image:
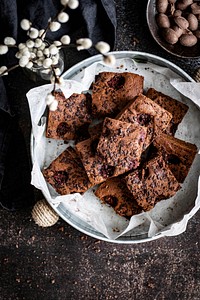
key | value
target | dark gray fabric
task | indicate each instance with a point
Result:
(98, 18)
(102, 25)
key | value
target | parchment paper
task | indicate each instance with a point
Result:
(169, 217)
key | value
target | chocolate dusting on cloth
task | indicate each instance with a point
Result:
(95, 19)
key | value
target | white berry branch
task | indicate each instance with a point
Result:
(37, 52)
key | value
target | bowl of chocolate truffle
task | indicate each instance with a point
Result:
(175, 26)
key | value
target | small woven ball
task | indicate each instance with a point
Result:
(43, 214)
(197, 75)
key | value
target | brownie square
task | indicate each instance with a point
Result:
(115, 193)
(112, 91)
(175, 107)
(121, 143)
(96, 169)
(145, 105)
(71, 116)
(152, 183)
(178, 154)
(66, 173)
(144, 111)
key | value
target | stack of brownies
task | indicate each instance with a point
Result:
(124, 144)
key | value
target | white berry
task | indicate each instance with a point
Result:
(84, 43)
(33, 33)
(23, 61)
(54, 26)
(29, 65)
(3, 49)
(40, 53)
(9, 41)
(30, 44)
(65, 39)
(53, 49)
(25, 24)
(102, 47)
(57, 43)
(73, 4)
(38, 43)
(54, 60)
(47, 62)
(63, 17)
(21, 46)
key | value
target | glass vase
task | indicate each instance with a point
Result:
(39, 73)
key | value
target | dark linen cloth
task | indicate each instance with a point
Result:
(97, 20)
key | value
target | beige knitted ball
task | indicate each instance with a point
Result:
(43, 214)
(197, 75)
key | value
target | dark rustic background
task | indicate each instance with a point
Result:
(60, 262)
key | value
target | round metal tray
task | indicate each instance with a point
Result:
(71, 74)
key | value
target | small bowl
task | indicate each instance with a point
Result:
(176, 49)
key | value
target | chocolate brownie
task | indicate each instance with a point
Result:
(152, 183)
(178, 154)
(112, 91)
(71, 116)
(115, 193)
(175, 107)
(96, 169)
(121, 143)
(66, 173)
(145, 105)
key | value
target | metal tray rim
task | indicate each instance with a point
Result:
(68, 75)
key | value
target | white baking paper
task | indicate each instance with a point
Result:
(169, 217)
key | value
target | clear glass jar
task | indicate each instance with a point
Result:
(39, 73)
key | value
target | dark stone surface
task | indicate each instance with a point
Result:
(60, 262)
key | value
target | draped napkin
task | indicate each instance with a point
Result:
(95, 19)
